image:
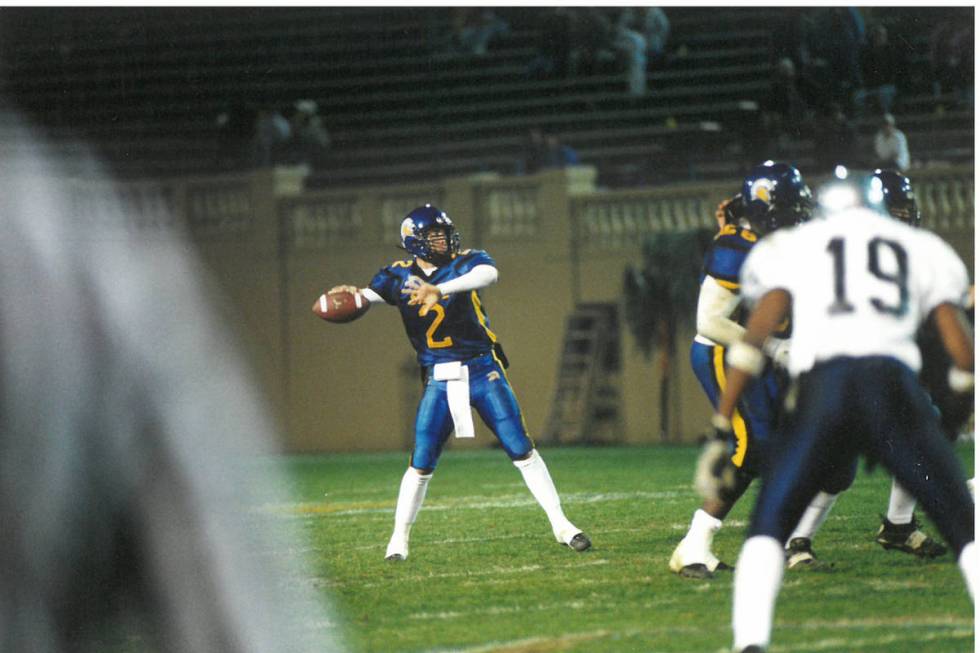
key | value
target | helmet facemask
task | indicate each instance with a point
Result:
(441, 244)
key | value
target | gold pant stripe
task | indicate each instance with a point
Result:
(738, 423)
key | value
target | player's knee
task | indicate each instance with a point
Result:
(424, 461)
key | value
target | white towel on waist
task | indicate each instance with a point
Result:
(457, 378)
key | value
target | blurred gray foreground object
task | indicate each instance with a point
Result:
(132, 442)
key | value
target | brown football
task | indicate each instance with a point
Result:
(341, 306)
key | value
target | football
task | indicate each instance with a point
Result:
(341, 306)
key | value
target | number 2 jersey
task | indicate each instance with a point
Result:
(455, 329)
(861, 284)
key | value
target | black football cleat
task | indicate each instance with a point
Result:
(799, 554)
(753, 649)
(395, 557)
(697, 571)
(580, 542)
(724, 566)
(907, 538)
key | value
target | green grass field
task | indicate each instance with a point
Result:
(485, 574)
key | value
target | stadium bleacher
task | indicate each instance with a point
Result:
(144, 86)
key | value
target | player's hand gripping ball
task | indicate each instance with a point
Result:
(341, 304)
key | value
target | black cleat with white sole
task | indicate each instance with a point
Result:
(580, 542)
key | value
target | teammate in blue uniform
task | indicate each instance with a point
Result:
(858, 286)
(462, 362)
(773, 196)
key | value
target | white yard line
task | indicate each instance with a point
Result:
(962, 629)
(479, 502)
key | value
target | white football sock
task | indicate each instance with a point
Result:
(758, 576)
(970, 567)
(700, 536)
(410, 497)
(539, 482)
(814, 516)
(695, 548)
(901, 505)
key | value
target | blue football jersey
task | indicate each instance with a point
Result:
(455, 329)
(724, 260)
(727, 253)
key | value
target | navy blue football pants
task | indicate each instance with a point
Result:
(494, 400)
(755, 416)
(872, 407)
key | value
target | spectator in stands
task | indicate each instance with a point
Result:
(891, 146)
(655, 28)
(272, 133)
(474, 28)
(309, 139)
(630, 46)
(543, 151)
(951, 52)
(787, 115)
(835, 139)
(883, 66)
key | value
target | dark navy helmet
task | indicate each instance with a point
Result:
(899, 196)
(774, 195)
(852, 189)
(415, 232)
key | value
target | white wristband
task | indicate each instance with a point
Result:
(745, 357)
(960, 381)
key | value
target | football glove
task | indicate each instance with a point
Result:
(715, 475)
(778, 350)
(730, 211)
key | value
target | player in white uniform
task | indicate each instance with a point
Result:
(858, 284)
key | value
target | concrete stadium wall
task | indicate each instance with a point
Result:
(273, 248)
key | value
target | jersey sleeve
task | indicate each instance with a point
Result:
(944, 278)
(724, 260)
(474, 258)
(388, 284)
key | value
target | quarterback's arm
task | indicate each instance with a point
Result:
(715, 306)
(427, 295)
(480, 276)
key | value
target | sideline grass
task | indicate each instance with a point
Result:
(485, 574)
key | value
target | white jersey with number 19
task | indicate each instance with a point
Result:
(861, 284)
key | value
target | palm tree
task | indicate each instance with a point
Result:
(661, 298)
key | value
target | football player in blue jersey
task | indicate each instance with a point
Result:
(462, 363)
(773, 196)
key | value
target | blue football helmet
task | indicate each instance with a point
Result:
(415, 231)
(774, 195)
(899, 196)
